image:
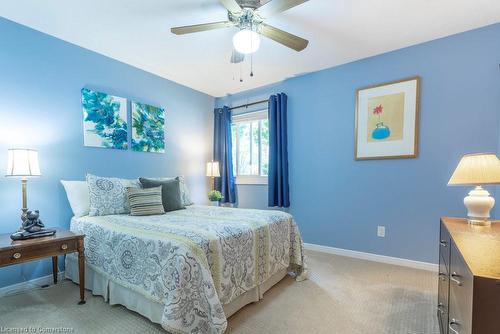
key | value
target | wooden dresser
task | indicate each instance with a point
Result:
(469, 278)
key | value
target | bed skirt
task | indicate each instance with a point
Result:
(114, 293)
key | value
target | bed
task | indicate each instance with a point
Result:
(188, 270)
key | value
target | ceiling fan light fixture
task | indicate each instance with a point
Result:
(246, 41)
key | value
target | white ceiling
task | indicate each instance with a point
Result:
(138, 33)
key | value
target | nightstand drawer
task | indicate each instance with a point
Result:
(37, 251)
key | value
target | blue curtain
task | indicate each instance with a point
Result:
(223, 154)
(278, 154)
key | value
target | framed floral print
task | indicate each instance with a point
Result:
(387, 120)
(104, 120)
(148, 128)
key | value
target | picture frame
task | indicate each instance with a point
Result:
(105, 123)
(387, 120)
(148, 128)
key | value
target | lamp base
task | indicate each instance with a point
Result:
(479, 204)
(478, 222)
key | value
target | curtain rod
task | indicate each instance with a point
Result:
(249, 104)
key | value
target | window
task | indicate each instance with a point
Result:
(250, 136)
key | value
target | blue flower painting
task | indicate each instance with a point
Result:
(104, 120)
(148, 133)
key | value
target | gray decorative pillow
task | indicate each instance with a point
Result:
(170, 192)
(145, 202)
(185, 195)
(108, 195)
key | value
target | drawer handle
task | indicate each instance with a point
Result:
(454, 277)
(443, 243)
(16, 256)
(452, 323)
(64, 246)
(440, 308)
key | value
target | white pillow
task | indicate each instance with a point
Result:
(78, 197)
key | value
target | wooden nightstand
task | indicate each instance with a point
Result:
(63, 242)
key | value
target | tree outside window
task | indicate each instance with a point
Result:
(250, 136)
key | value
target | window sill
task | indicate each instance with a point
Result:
(249, 180)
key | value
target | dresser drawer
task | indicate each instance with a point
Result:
(460, 300)
(443, 292)
(444, 245)
(24, 254)
(442, 307)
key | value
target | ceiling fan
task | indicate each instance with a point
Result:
(249, 16)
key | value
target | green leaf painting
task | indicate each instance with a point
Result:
(148, 133)
(104, 120)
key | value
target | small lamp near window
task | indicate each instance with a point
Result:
(214, 196)
(213, 171)
(23, 163)
(477, 169)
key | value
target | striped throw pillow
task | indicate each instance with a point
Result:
(145, 202)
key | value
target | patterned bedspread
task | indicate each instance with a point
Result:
(195, 260)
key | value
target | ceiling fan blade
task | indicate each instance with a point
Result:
(201, 27)
(277, 6)
(231, 5)
(283, 37)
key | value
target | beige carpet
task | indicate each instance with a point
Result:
(343, 295)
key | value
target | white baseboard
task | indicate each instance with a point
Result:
(373, 257)
(30, 285)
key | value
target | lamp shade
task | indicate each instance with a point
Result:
(22, 163)
(213, 169)
(477, 169)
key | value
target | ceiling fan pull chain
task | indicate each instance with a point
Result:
(251, 55)
(241, 72)
(251, 65)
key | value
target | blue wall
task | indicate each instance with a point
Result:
(252, 196)
(338, 201)
(40, 82)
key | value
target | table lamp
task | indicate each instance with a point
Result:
(23, 163)
(477, 169)
(213, 171)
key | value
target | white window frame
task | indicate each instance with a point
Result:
(245, 118)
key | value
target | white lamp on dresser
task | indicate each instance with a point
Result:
(477, 169)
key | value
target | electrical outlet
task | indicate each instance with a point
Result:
(381, 231)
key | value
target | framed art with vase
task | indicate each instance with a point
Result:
(387, 120)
